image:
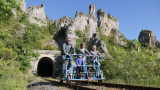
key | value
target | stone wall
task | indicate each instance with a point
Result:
(53, 55)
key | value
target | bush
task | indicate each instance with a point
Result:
(24, 18)
(79, 33)
(109, 16)
(11, 78)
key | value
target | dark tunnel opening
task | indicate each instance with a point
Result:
(45, 67)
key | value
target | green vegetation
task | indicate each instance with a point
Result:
(6, 9)
(18, 40)
(11, 78)
(24, 19)
(36, 19)
(129, 66)
(80, 40)
(109, 16)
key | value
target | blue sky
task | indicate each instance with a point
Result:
(133, 15)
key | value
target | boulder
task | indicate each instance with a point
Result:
(135, 46)
(147, 38)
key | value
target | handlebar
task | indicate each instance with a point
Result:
(85, 55)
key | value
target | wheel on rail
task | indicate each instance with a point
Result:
(68, 81)
(100, 81)
(61, 81)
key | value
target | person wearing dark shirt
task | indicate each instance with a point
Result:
(66, 50)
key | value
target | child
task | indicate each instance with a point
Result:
(80, 63)
(94, 56)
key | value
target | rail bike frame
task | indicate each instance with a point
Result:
(70, 72)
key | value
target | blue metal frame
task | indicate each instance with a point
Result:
(71, 73)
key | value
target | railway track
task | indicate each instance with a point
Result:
(85, 85)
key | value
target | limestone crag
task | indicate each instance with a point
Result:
(23, 5)
(147, 38)
(117, 37)
(106, 22)
(81, 21)
(64, 21)
(92, 10)
(99, 43)
(37, 15)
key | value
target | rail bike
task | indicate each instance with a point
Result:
(88, 74)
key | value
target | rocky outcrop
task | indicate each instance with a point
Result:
(83, 22)
(135, 46)
(157, 44)
(106, 22)
(99, 44)
(117, 38)
(147, 38)
(23, 5)
(51, 43)
(37, 15)
(63, 22)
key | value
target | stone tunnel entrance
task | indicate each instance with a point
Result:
(45, 67)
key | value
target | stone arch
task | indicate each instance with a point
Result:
(45, 67)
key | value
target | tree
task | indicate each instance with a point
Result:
(6, 7)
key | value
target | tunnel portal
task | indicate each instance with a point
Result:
(45, 67)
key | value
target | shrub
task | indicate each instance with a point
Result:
(24, 19)
(109, 16)
(79, 33)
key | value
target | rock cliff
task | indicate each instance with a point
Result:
(81, 21)
(36, 14)
(87, 23)
(107, 22)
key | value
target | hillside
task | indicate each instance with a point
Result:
(23, 30)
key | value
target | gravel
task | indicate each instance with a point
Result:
(43, 85)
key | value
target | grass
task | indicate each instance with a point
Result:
(11, 77)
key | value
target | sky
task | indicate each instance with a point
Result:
(133, 15)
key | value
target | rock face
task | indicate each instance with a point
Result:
(88, 25)
(117, 38)
(106, 22)
(99, 44)
(37, 15)
(147, 38)
(83, 22)
(63, 22)
(23, 5)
